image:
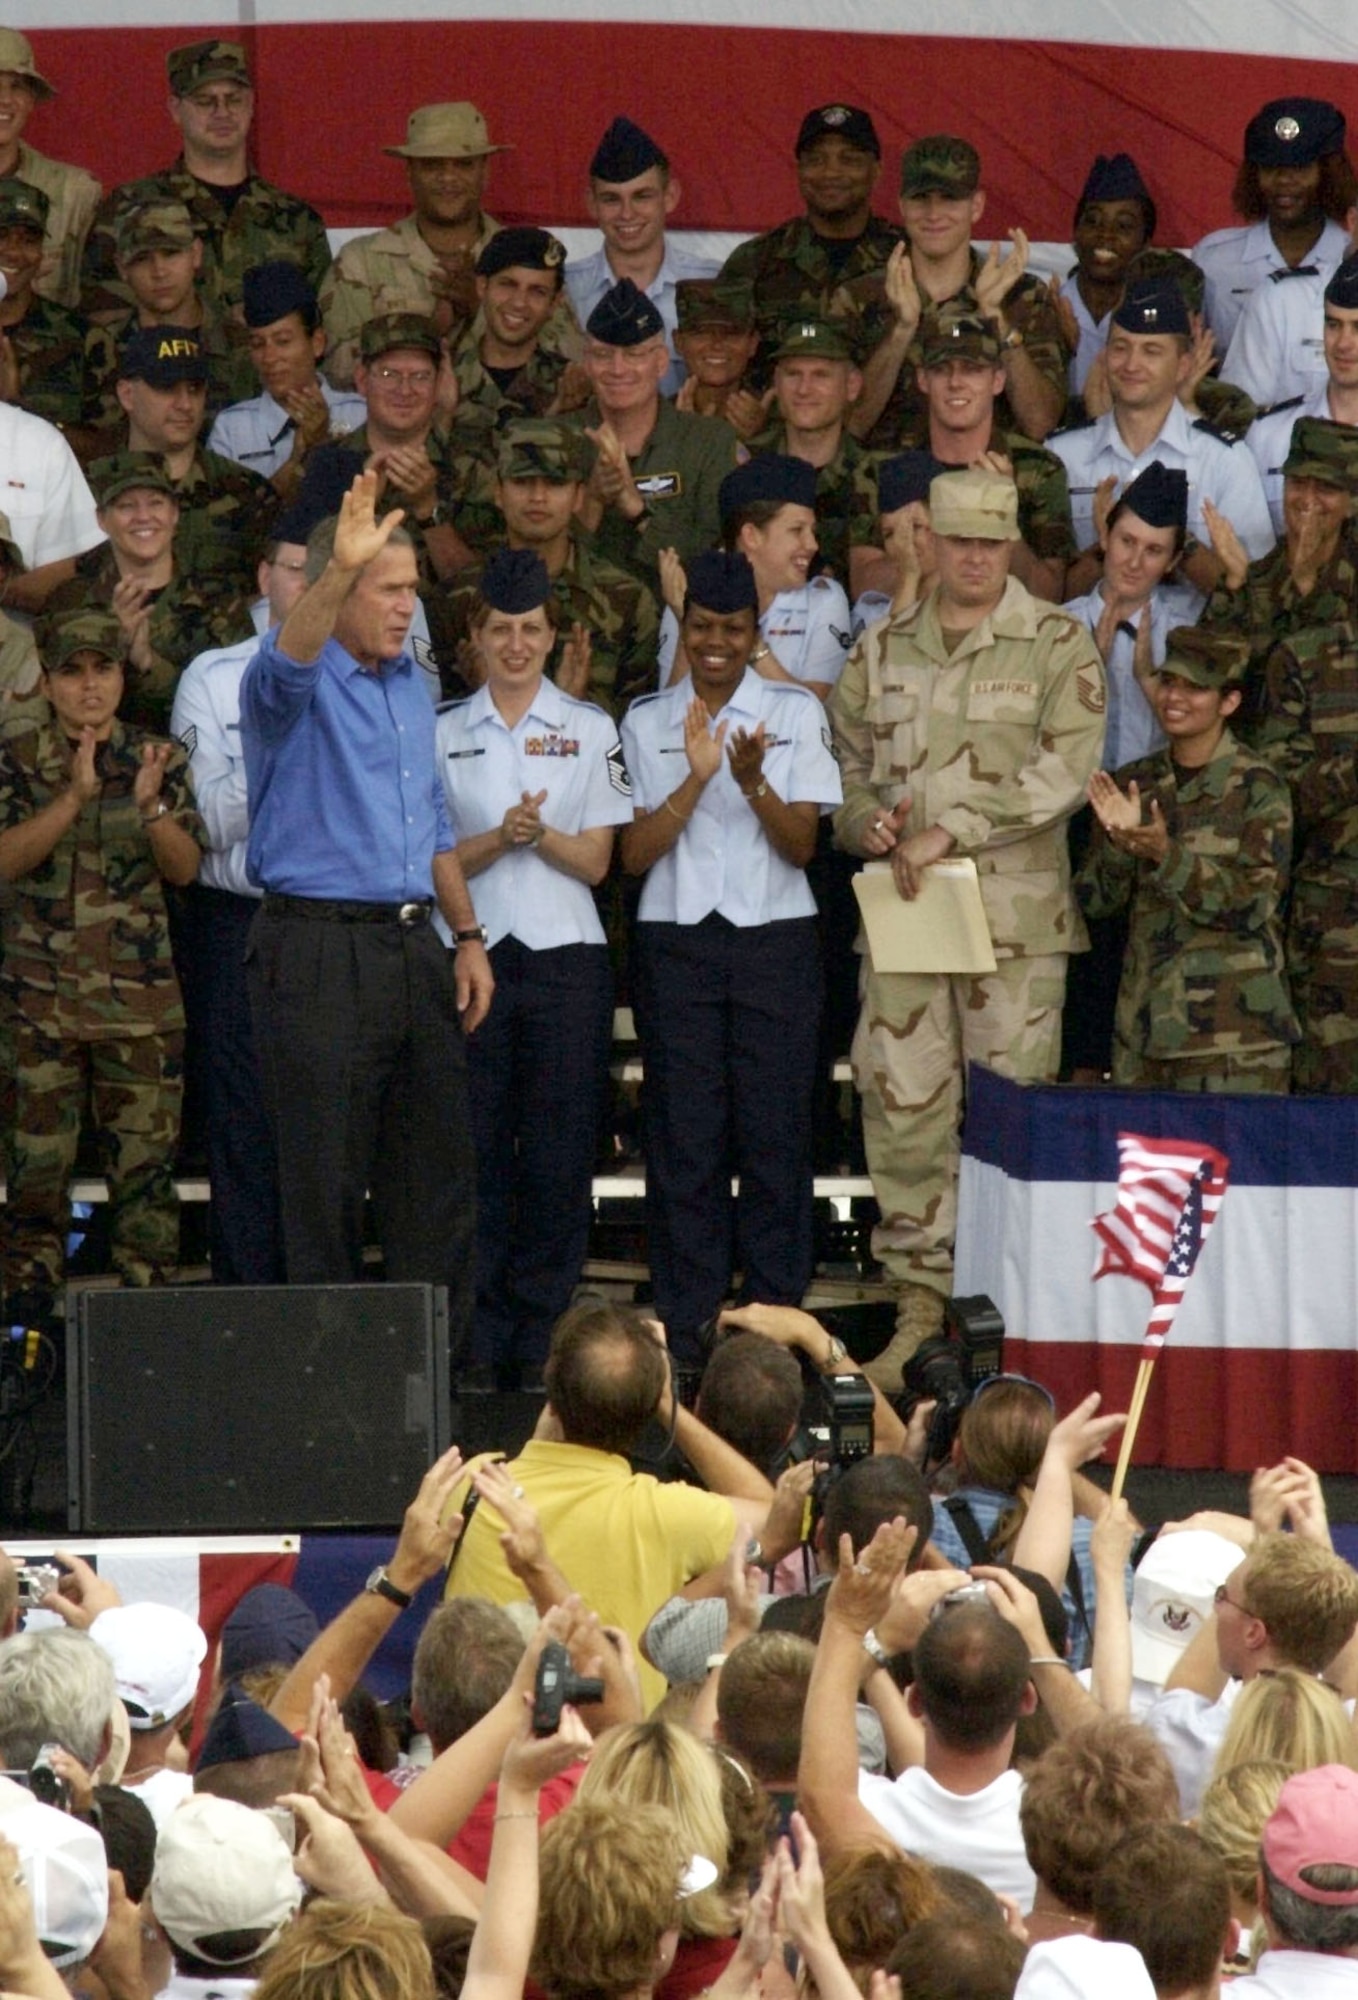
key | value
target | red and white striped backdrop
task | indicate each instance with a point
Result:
(1038, 85)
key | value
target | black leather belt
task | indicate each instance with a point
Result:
(405, 914)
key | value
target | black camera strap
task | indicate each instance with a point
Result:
(978, 1547)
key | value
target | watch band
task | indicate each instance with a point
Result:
(474, 934)
(379, 1584)
(874, 1648)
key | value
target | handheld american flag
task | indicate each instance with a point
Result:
(1169, 1191)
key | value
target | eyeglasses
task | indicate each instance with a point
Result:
(408, 378)
(1220, 1597)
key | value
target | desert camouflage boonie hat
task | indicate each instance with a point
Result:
(16, 59)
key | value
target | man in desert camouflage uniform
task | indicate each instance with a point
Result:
(425, 263)
(1196, 839)
(941, 203)
(1309, 582)
(72, 194)
(961, 377)
(829, 263)
(540, 472)
(45, 348)
(93, 815)
(212, 103)
(968, 725)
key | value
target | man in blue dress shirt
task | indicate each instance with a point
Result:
(359, 1006)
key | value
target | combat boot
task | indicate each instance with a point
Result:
(919, 1314)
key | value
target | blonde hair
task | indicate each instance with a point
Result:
(1231, 1818)
(1291, 1718)
(661, 1764)
(346, 1951)
(1306, 1595)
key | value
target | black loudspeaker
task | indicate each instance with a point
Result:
(236, 1408)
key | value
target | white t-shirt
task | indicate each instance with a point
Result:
(979, 1831)
(1299, 1975)
(1190, 1729)
(161, 1792)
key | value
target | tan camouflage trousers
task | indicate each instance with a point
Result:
(1322, 964)
(132, 1086)
(916, 1034)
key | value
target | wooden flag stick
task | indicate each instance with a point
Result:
(1143, 1381)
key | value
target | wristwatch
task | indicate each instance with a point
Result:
(835, 1355)
(379, 1584)
(474, 934)
(1013, 339)
(158, 811)
(874, 1648)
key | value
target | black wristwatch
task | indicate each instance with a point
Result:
(379, 1584)
(474, 934)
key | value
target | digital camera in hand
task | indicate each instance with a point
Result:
(558, 1683)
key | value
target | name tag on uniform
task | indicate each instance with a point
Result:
(466, 753)
(1023, 689)
(551, 745)
(776, 742)
(660, 485)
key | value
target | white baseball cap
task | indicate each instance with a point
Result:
(156, 1653)
(1172, 1596)
(221, 1866)
(66, 1869)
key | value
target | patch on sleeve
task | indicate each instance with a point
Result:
(189, 738)
(617, 772)
(1090, 688)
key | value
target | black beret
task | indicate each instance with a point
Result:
(791, 482)
(515, 580)
(530, 249)
(624, 317)
(721, 580)
(624, 152)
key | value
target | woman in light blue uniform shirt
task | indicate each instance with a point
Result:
(535, 784)
(768, 513)
(731, 773)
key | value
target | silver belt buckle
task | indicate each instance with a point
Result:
(411, 913)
